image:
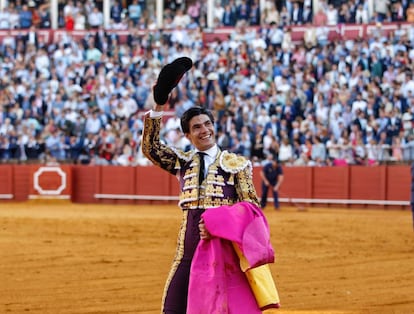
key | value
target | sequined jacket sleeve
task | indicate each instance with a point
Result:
(159, 154)
(245, 187)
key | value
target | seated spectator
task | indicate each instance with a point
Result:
(5, 18)
(254, 14)
(410, 13)
(285, 151)
(361, 15)
(345, 14)
(381, 9)
(271, 14)
(284, 16)
(331, 15)
(314, 89)
(229, 16)
(134, 12)
(318, 151)
(79, 21)
(14, 18)
(116, 12)
(95, 18)
(25, 17)
(69, 22)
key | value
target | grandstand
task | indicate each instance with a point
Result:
(76, 77)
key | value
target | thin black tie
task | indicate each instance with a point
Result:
(202, 168)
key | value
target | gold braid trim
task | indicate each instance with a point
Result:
(187, 156)
(245, 187)
(233, 163)
(159, 154)
(178, 256)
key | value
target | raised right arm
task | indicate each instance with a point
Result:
(158, 153)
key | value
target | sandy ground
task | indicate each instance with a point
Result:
(65, 258)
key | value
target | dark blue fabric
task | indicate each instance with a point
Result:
(176, 297)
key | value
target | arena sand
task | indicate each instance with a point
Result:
(67, 258)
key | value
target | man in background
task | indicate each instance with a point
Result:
(272, 177)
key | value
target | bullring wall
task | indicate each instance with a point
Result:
(351, 186)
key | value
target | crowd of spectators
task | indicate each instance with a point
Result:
(314, 102)
(124, 14)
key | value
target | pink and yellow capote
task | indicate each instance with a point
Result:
(230, 271)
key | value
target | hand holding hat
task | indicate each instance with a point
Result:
(169, 78)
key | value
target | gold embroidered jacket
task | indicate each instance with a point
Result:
(228, 179)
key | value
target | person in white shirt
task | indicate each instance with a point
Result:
(4, 18)
(42, 61)
(181, 19)
(407, 86)
(276, 35)
(69, 8)
(322, 33)
(270, 13)
(179, 35)
(332, 15)
(258, 42)
(80, 21)
(285, 151)
(95, 19)
(361, 15)
(218, 13)
(9, 41)
(14, 19)
(359, 103)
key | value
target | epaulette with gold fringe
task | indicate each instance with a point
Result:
(233, 163)
(187, 156)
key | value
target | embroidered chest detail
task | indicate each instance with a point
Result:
(233, 163)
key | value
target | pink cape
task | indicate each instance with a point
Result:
(217, 283)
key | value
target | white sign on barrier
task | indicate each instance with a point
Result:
(43, 191)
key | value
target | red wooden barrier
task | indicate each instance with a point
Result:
(367, 183)
(331, 183)
(154, 185)
(398, 184)
(84, 179)
(112, 181)
(6, 182)
(21, 182)
(371, 187)
(297, 182)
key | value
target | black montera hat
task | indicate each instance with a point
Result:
(169, 78)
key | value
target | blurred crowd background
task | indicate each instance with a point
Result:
(318, 101)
